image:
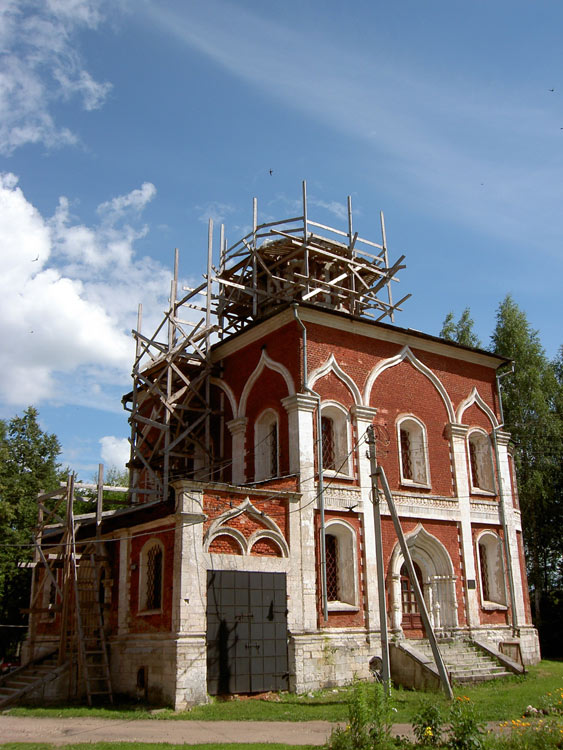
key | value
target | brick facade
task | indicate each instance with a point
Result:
(367, 374)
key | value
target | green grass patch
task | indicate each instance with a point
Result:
(153, 746)
(495, 701)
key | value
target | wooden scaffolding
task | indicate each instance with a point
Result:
(68, 587)
(275, 264)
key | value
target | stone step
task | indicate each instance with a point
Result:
(464, 661)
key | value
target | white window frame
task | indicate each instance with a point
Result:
(418, 442)
(346, 541)
(341, 436)
(262, 445)
(143, 582)
(493, 549)
(484, 456)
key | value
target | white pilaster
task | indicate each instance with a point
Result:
(302, 574)
(507, 501)
(363, 417)
(237, 428)
(123, 605)
(458, 435)
(189, 598)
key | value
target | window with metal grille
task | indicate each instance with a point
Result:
(151, 577)
(485, 580)
(406, 454)
(266, 446)
(332, 587)
(413, 451)
(327, 429)
(474, 464)
(274, 450)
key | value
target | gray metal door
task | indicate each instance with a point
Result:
(246, 632)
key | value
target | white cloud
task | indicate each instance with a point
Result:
(115, 451)
(40, 65)
(68, 298)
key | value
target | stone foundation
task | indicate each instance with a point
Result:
(329, 658)
(144, 667)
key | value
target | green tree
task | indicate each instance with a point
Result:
(28, 464)
(530, 396)
(461, 332)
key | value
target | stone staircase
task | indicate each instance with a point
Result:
(24, 680)
(465, 660)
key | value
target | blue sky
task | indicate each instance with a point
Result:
(125, 125)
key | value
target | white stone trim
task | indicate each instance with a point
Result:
(218, 527)
(266, 534)
(227, 531)
(475, 398)
(228, 392)
(271, 364)
(407, 354)
(331, 365)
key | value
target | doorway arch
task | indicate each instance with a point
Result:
(435, 572)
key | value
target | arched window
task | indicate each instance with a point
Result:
(491, 570)
(266, 446)
(413, 452)
(151, 576)
(341, 566)
(335, 437)
(480, 462)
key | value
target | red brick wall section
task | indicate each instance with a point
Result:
(162, 621)
(283, 345)
(225, 545)
(275, 507)
(267, 393)
(402, 390)
(266, 548)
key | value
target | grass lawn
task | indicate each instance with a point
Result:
(495, 701)
(152, 746)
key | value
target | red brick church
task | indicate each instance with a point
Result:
(246, 559)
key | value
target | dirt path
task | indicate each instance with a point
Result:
(67, 731)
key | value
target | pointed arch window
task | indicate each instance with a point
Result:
(151, 577)
(490, 563)
(480, 462)
(341, 566)
(413, 452)
(266, 446)
(335, 437)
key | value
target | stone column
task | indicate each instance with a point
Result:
(189, 598)
(363, 417)
(237, 428)
(507, 500)
(302, 569)
(458, 435)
